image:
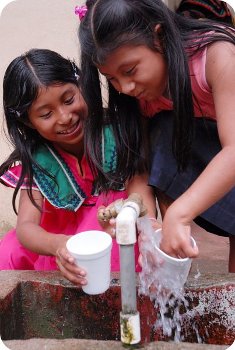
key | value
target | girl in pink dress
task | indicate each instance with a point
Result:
(45, 114)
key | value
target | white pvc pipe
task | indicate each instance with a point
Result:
(126, 238)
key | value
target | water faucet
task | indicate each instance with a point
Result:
(126, 213)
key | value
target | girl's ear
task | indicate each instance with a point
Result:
(158, 28)
(158, 36)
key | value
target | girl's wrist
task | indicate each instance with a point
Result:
(58, 241)
(180, 211)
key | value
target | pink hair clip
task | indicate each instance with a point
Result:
(81, 11)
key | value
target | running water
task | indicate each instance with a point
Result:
(168, 296)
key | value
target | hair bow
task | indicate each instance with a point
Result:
(81, 11)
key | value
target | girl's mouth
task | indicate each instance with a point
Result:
(70, 130)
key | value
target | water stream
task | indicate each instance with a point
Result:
(169, 301)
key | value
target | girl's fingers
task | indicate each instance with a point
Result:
(69, 269)
(180, 251)
(73, 273)
(191, 252)
(64, 255)
(185, 250)
(75, 279)
(112, 222)
(101, 214)
(72, 268)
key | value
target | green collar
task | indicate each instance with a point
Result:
(56, 181)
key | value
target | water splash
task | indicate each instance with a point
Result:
(168, 298)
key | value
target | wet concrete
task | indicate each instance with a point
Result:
(213, 305)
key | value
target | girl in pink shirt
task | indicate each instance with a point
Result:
(181, 73)
(45, 115)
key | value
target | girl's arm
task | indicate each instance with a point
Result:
(33, 237)
(30, 233)
(218, 178)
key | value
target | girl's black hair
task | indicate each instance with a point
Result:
(23, 78)
(109, 24)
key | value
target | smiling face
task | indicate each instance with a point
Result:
(136, 71)
(58, 115)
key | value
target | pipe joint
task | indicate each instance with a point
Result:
(130, 328)
(135, 206)
(126, 225)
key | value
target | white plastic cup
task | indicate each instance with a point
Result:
(92, 252)
(172, 272)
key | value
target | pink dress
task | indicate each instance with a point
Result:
(13, 256)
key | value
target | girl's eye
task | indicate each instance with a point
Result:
(69, 101)
(46, 115)
(130, 71)
(109, 78)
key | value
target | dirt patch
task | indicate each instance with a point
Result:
(4, 227)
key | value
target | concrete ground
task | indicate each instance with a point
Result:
(213, 252)
(76, 344)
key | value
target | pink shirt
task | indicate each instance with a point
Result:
(56, 220)
(202, 94)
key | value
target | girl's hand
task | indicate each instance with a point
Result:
(69, 269)
(176, 234)
(109, 225)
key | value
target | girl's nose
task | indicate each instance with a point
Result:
(127, 87)
(64, 117)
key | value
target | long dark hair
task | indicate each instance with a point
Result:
(23, 78)
(107, 25)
